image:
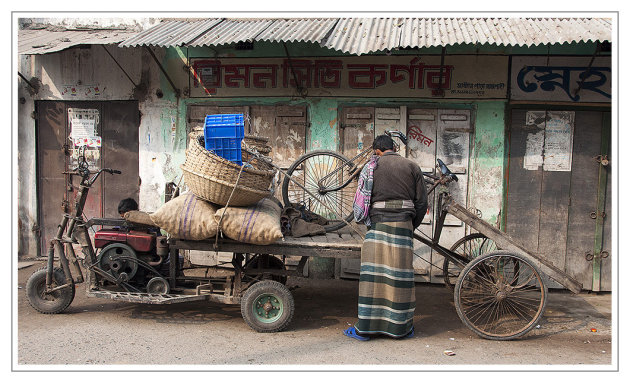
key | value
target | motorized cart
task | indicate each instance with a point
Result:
(499, 291)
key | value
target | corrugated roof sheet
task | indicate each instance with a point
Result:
(352, 35)
(233, 31)
(41, 41)
(308, 30)
(364, 35)
(172, 33)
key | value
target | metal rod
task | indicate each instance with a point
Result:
(177, 92)
(26, 81)
(119, 66)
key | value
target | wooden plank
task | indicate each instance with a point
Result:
(289, 138)
(583, 197)
(506, 242)
(523, 207)
(554, 215)
(452, 147)
(357, 131)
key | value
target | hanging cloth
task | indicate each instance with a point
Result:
(361, 205)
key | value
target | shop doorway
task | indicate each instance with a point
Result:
(558, 202)
(112, 129)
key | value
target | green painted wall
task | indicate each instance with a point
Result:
(487, 162)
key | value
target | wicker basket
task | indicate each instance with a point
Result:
(258, 143)
(212, 178)
(218, 191)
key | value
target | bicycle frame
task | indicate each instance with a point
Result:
(355, 169)
(76, 231)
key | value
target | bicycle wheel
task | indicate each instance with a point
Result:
(500, 295)
(319, 172)
(470, 246)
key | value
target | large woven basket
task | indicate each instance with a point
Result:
(218, 191)
(212, 178)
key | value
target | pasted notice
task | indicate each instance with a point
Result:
(559, 141)
(550, 144)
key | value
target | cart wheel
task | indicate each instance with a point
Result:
(500, 295)
(48, 303)
(470, 246)
(333, 170)
(267, 306)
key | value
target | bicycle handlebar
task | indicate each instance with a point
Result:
(445, 171)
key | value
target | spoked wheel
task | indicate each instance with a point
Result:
(470, 246)
(321, 172)
(267, 306)
(53, 302)
(500, 295)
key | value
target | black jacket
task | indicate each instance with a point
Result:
(397, 178)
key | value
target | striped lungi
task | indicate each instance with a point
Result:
(387, 295)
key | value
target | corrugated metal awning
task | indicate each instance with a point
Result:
(365, 35)
(351, 35)
(41, 41)
(172, 33)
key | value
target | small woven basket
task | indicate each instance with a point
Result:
(212, 178)
(257, 143)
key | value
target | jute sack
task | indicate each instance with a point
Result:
(187, 217)
(257, 224)
(141, 217)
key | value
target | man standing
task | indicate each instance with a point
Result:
(398, 202)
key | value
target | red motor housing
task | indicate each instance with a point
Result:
(139, 241)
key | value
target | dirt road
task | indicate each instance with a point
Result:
(102, 332)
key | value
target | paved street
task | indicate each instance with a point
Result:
(102, 332)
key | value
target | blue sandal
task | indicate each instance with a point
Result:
(352, 333)
(410, 335)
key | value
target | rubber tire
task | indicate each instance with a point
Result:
(451, 286)
(37, 281)
(285, 183)
(268, 287)
(473, 328)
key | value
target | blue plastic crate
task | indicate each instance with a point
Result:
(224, 126)
(223, 134)
(228, 148)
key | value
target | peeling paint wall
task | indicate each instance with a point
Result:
(487, 167)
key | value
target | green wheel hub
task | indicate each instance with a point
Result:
(267, 308)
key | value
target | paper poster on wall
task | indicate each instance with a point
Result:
(533, 158)
(559, 141)
(82, 128)
(550, 142)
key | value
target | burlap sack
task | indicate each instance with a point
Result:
(140, 217)
(186, 217)
(257, 224)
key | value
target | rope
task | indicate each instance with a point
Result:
(227, 204)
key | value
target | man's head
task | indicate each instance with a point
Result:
(126, 205)
(382, 144)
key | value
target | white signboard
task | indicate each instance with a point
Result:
(571, 79)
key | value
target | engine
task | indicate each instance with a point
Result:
(128, 254)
